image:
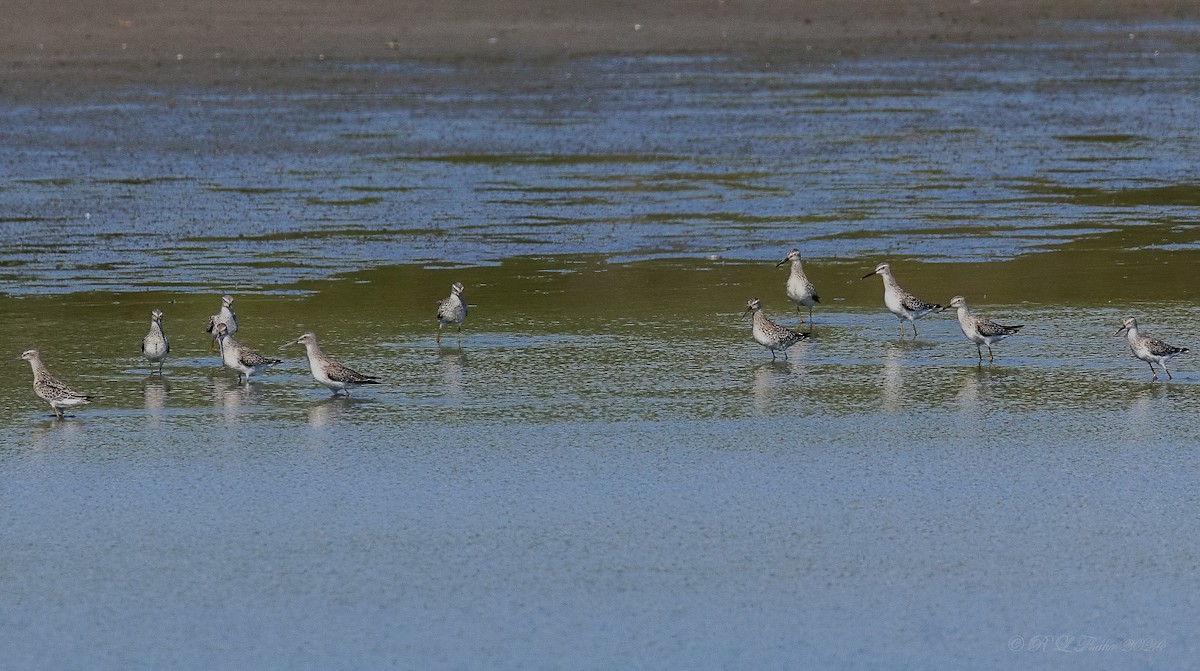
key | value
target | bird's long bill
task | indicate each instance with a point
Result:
(289, 344)
(868, 275)
(781, 263)
(745, 313)
(1120, 330)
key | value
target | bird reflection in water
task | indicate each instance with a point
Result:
(155, 390)
(768, 376)
(452, 364)
(333, 410)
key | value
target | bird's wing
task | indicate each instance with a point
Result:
(988, 328)
(58, 389)
(1160, 348)
(252, 359)
(911, 302)
(785, 333)
(339, 373)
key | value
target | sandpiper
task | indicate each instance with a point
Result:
(240, 358)
(901, 303)
(328, 372)
(225, 316)
(49, 389)
(1148, 349)
(774, 337)
(155, 345)
(799, 290)
(980, 330)
(452, 310)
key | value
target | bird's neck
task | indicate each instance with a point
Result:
(39, 370)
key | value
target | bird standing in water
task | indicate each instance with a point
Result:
(1148, 349)
(799, 290)
(155, 345)
(326, 371)
(980, 330)
(901, 303)
(767, 333)
(452, 310)
(49, 389)
(240, 358)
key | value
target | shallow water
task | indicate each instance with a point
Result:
(609, 472)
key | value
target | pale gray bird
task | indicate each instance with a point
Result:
(328, 372)
(980, 330)
(240, 358)
(799, 290)
(452, 310)
(49, 389)
(155, 345)
(1148, 349)
(899, 302)
(224, 316)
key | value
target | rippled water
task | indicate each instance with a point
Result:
(609, 472)
(969, 152)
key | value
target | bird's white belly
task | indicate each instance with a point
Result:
(68, 402)
(797, 291)
(318, 373)
(894, 304)
(156, 350)
(971, 332)
(230, 359)
(762, 338)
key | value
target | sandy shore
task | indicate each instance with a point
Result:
(132, 35)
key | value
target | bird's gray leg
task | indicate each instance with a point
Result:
(1155, 373)
(991, 357)
(1164, 365)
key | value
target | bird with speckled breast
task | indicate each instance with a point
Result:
(767, 333)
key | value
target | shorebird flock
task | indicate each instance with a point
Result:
(244, 361)
(452, 311)
(981, 331)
